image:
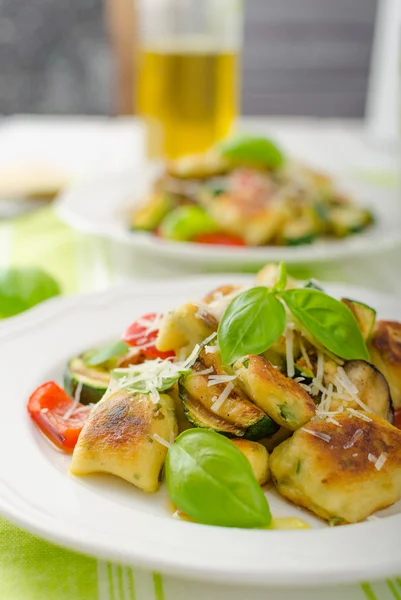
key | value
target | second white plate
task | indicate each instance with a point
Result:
(103, 206)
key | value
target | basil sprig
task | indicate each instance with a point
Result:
(253, 321)
(210, 479)
(252, 150)
(256, 319)
(329, 321)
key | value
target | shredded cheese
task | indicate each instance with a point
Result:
(216, 379)
(161, 440)
(317, 382)
(211, 349)
(289, 350)
(372, 458)
(74, 406)
(219, 401)
(305, 354)
(381, 460)
(319, 434)
(358, 433)
(204, 372)
(358, 414)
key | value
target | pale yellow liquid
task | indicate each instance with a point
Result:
(187, 97)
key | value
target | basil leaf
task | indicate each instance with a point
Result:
(186, 222)
(329, 321)
(211, 481)
(21, 289)
(253, 321)
(281, 282)
(253, 150)
(105, 353)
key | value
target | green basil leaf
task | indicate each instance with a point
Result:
(253, 321)
(252, 150)
(281, 282)
(211, 481)
(329, 321)
(21, 289)
(186, 222)
(105, 353)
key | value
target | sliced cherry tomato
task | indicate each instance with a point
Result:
(397, 418)
(58, 415)
(142, 333)
(221, 239)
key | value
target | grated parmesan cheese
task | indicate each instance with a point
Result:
(372, 458)
(381, 460)
(219, 401)
(358, 433)
(211, 349)
(204, 372)
(317, 382)
(305, 354)
(358, 414)
(74, 406)
(319, 434)
(216, 379)
(161, 440)
(289, 350)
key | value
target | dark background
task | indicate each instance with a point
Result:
(301, 57)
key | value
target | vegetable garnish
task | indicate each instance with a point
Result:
(142, 335)
(253, 321)
(252, 150)
(219, 239)
(329, 321)
(211, 481)
(186, 222)
(59, 416)
(21, 289)
(105, 353)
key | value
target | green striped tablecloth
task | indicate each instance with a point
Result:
(32, 569)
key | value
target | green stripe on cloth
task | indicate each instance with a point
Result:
(32, 569)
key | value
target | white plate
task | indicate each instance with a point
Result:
(102, 207)
(105, 516)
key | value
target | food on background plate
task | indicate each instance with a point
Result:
(245, 192)
(274, 382)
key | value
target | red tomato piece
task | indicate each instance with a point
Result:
(397, 418)
(57, 415)
(142, 333)
(220, 239)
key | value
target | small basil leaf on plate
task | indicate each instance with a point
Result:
(186, 222)
(329, 321)
(252, 150)
(210, 480)
(281, 282)
(105, 353)
(253, 321)
(21, 289)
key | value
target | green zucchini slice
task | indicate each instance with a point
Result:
(94, 380)
(237, 417)
(298, 232)
(364, 315)
(347, 220)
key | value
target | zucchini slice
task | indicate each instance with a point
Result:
(94, 380)
(372, 386)
(149, 216)
(364, 315)
(298, 232)
(347, 220)
(284, 400)
(237, 416)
